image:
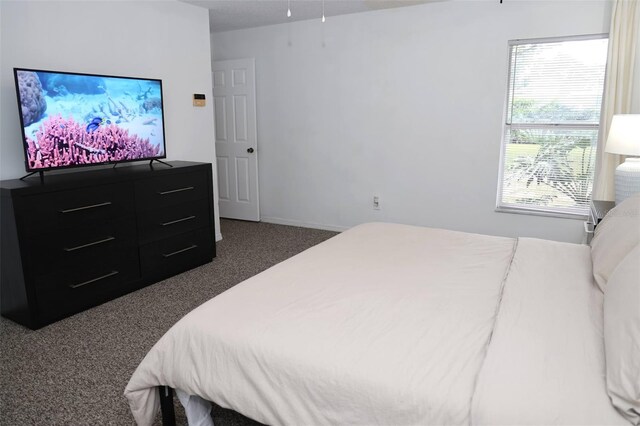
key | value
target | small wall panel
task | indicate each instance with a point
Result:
(221, 118)
(242, 178)
(239, 77)
(222, 164)
(240, 118)
(218, 79)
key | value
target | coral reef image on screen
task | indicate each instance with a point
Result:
(74, 119)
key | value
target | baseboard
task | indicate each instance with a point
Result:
(280, 221)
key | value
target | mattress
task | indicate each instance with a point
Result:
(382, 324)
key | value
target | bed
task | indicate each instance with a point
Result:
(397, 324)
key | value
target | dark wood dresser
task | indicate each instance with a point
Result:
(79, 239)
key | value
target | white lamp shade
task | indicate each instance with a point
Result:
(624, 135)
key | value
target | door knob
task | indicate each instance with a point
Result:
(250, 150)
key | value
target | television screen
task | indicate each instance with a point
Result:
(71, 119)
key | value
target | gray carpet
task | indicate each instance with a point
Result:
(74, 372)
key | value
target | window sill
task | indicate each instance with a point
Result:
(540, 212)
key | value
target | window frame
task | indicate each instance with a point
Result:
(541, 210)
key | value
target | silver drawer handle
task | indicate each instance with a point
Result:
(180, 251)
(110, 274)
(93, 206)
(187, 188)
(90, 244)
(184, 219)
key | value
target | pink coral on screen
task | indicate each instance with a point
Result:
(65, 142)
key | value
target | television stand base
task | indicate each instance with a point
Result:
(159, 161)
(41, 173)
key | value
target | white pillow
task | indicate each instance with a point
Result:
(622, 336)
(615, 236)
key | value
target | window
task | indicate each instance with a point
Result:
(551, 124)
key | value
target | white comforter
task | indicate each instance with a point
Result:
(545, 364)
(383, 324)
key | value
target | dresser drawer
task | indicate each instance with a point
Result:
(177, 254)
(71, 290)
(81, 245)
(173, 220)
(172, 189)
(125, 263)
(67, 209)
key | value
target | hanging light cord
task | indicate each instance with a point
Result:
(288, 8)
(323, 18)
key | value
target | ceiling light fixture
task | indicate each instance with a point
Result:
(323, 18)
(288, 8)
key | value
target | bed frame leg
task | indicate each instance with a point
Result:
(166, 406)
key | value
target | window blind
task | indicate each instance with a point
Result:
(551, 124)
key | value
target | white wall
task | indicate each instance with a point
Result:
(160, 39)
(404, 103)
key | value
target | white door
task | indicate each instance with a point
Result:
(234, 96)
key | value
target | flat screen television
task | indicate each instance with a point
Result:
(72, 119)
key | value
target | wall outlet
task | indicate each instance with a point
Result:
(376, 202)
